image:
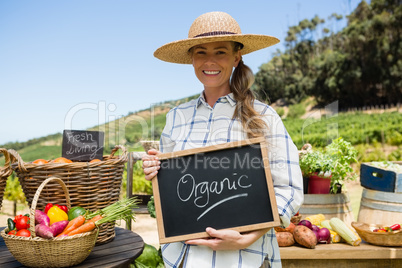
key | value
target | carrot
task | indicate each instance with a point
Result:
(73, 224)
(86, 227)
(121, 209)
(94, 219)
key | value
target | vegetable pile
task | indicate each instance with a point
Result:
(315, 230)
(388, 229)
(19, 225)
(58, 221)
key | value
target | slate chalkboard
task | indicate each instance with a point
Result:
(226, 186)
(81, 145)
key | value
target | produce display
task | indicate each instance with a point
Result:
(58, 160)
(57, 221)
(388, 229)
(314, 230)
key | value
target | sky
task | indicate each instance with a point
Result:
(75, 64)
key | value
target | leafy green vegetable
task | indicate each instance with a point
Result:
(151, 207)
(149, 258)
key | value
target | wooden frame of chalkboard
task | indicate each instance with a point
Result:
(225, 186)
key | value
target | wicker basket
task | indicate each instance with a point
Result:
(4, 173)
(92, 186)
(392, 239)
(56, 252)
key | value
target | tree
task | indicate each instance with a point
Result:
(361, 65)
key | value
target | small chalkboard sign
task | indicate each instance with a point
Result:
(225, 186)
(82, 145)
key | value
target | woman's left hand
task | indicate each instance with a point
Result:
(227, 239)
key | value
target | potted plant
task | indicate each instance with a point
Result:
(329, 167)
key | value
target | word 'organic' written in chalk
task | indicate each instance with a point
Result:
(200, 193)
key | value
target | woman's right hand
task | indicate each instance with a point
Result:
(151, 164)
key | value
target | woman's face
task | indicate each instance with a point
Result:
(214, 62)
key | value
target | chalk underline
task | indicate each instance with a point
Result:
(220, 202)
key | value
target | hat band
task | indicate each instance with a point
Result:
(213, 33)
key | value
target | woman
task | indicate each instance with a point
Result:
(227, 111)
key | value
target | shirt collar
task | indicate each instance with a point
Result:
(227, 98)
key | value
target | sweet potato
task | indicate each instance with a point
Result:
(285, 239)
(43, 231)
(289, 229)
(304, 236)
(41, 218)
(58, 227)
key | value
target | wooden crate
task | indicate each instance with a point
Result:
(380, 179)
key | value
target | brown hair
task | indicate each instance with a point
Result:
(240, 85)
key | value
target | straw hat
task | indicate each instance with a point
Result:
(212, 27)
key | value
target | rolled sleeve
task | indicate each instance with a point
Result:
(285, 169)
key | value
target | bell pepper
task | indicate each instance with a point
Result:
(56, 214)
(64, 208)
(395, 227)
(48, 206)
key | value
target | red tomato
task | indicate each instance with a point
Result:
(17, 217)
(12, 232)
(21, 222)
(23, 232)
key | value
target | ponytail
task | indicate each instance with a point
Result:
(240, 85)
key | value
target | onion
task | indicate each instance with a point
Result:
(324, 236)
(315, 228)
(306, 223)
(316, 234)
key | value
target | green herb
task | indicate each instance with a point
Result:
(334, 162)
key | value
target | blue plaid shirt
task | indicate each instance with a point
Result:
(196, 124)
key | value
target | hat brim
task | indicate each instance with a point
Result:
(177, 51)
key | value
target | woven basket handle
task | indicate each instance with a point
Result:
(16, 158)
(116, 148)
(6, 170)
(36, 197)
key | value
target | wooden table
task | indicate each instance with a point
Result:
(342, 255)
(120, 252)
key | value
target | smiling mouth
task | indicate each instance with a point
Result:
(211, 72)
